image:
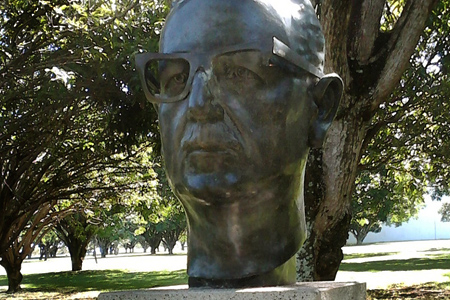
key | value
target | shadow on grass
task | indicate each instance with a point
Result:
(105, 280)
(413, 264)
(436, 249)
(364, 255)
(435, 256)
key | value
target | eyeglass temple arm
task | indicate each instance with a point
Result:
(282, 50)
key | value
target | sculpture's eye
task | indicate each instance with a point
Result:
(180, 78)
(176, 84)
(239, 74)
(239, 71)
(173, 75)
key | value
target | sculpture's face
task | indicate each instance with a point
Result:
(244, 121)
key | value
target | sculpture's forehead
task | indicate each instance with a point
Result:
(208, 24)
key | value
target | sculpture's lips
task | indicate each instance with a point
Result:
(210, 161)
(208, 158)
(211, 138)
(210, 148)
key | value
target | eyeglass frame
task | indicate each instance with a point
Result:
(279, 49)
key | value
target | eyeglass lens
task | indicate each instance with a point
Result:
(166, 77)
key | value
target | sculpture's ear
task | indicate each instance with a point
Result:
(326, 95)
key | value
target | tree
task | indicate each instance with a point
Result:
(385, 196)
(171, 213)
(105, 210)
(144, 244)
(183, 240)
(35, 229)
(131, 235)
(111, 229)
(162, 215)
(76, 231)
(153, 236)
(116, 224)
(173, 227)
(445, 212)
(56, 148)
(49, 244)
(369, 44)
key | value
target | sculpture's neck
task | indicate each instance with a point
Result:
(249, 236)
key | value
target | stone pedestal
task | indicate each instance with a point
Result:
(305, 290)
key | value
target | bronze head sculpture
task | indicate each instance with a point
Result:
(241, 97)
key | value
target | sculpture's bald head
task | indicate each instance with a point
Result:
(292, 21)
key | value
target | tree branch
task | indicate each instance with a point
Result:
(401, 46)
(335, 21)
(365, 29)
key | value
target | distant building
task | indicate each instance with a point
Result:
(427, 226)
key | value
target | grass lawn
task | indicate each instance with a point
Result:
(63, 285)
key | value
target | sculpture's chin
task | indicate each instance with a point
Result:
(227, 183)
(212, 187)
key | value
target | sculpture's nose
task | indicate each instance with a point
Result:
(201, 102)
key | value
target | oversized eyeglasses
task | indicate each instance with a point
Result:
(167, 77)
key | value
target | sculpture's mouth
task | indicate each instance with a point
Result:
(212, 143)
(210, 148)
(210, 160)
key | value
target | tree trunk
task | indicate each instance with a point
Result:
(12, 266)
(340, 159)
(77, 263)
(170, 239)
(104, 245)
(362, 234)
(154, 243)
(77, 250)
(171, 245)
(12, 258)
(360, 239)
(14, 278)
(358, 236)
(328, 200)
